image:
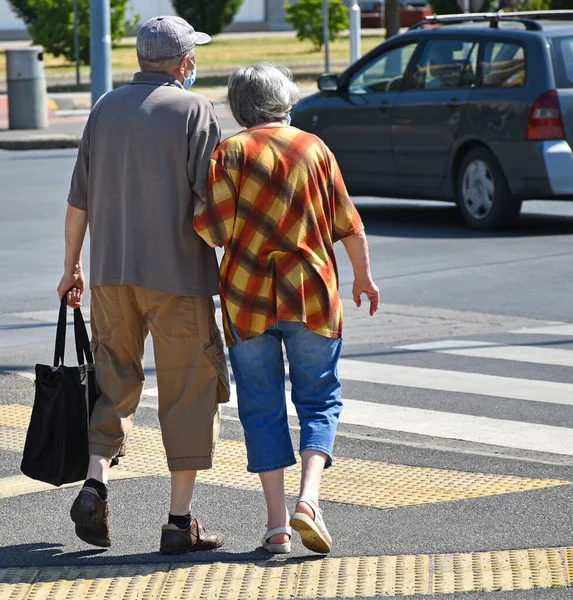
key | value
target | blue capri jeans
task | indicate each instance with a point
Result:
(258, 367)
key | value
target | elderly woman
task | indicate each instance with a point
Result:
(277, 204)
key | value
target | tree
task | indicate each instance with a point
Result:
(51, 24)
(306, 19)
(210, 16)
(392, 17)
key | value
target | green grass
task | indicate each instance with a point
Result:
(222, 54)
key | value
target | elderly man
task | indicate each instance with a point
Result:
(142, 164)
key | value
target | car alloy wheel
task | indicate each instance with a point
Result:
(478, 190)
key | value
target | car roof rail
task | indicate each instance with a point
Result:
(527, 18)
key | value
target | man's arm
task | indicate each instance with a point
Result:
(204, 137)
(73, 278)
(356, 247)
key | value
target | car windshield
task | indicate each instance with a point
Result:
(562, 55)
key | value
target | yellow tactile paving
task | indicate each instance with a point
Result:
(19, 485)
(356, 482)
(353, 577)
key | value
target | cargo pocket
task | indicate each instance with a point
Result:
(106, 313)
(215, 351)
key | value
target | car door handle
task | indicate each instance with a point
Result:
(454, 103)
(384, 106)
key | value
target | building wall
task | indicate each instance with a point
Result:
(10, 24)
(251, 11)
(150, 8)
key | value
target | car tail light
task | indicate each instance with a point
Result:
(545, 121)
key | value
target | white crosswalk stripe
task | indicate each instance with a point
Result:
(528, 354)
(565, 329)
(517, 412)
(452, 425)
(457, 381)
(483, 430)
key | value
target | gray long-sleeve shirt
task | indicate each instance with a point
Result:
(142, 162)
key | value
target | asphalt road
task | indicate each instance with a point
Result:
(464, 293)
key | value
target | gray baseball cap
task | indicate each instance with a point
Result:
(164, 38)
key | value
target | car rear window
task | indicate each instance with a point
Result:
(562, 55)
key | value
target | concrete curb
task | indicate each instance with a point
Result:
(42, 142)
(65, 102)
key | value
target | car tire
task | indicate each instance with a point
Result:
(483, 195)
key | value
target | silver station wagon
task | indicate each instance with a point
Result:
(475, 109)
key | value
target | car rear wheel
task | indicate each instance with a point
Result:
(484, 198)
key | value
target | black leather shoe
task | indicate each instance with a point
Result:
(90, 514)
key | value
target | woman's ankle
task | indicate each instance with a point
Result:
(306, 509)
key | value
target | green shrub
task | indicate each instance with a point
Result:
(51, 24)
(534, 5)
(306, 18)
(210, 16)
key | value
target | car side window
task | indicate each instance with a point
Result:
(384, 73)
(502, 65)
(445, 64)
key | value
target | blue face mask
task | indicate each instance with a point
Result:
(189, 81)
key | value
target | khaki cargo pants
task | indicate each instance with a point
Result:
(192, 377)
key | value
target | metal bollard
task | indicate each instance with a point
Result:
(27, 98)
(354, 32)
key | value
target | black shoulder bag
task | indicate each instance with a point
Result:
(56, 449)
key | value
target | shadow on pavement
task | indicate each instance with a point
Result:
(404, 219)
(51, 556)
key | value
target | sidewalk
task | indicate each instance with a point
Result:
(68, 109)
(68, 113)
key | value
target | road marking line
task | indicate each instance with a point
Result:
(529, 354)
(455, 426)
(24, 374)
(483, 430)
(359, 482)
(19, 485)
(561, 329)
(532, 390)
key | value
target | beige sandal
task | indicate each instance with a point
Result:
(313, 532)
(277, 548)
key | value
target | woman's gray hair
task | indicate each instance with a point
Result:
(261, 93)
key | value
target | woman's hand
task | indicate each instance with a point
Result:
(368, 287)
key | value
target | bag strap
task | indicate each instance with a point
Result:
(83, 351)
(60, 348)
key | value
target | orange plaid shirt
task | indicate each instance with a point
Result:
(277, 203)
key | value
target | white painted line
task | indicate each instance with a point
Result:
(529, 354)
(532, 390)
(75, 112)
(561, 329)
(24, 374)
(483, 430)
